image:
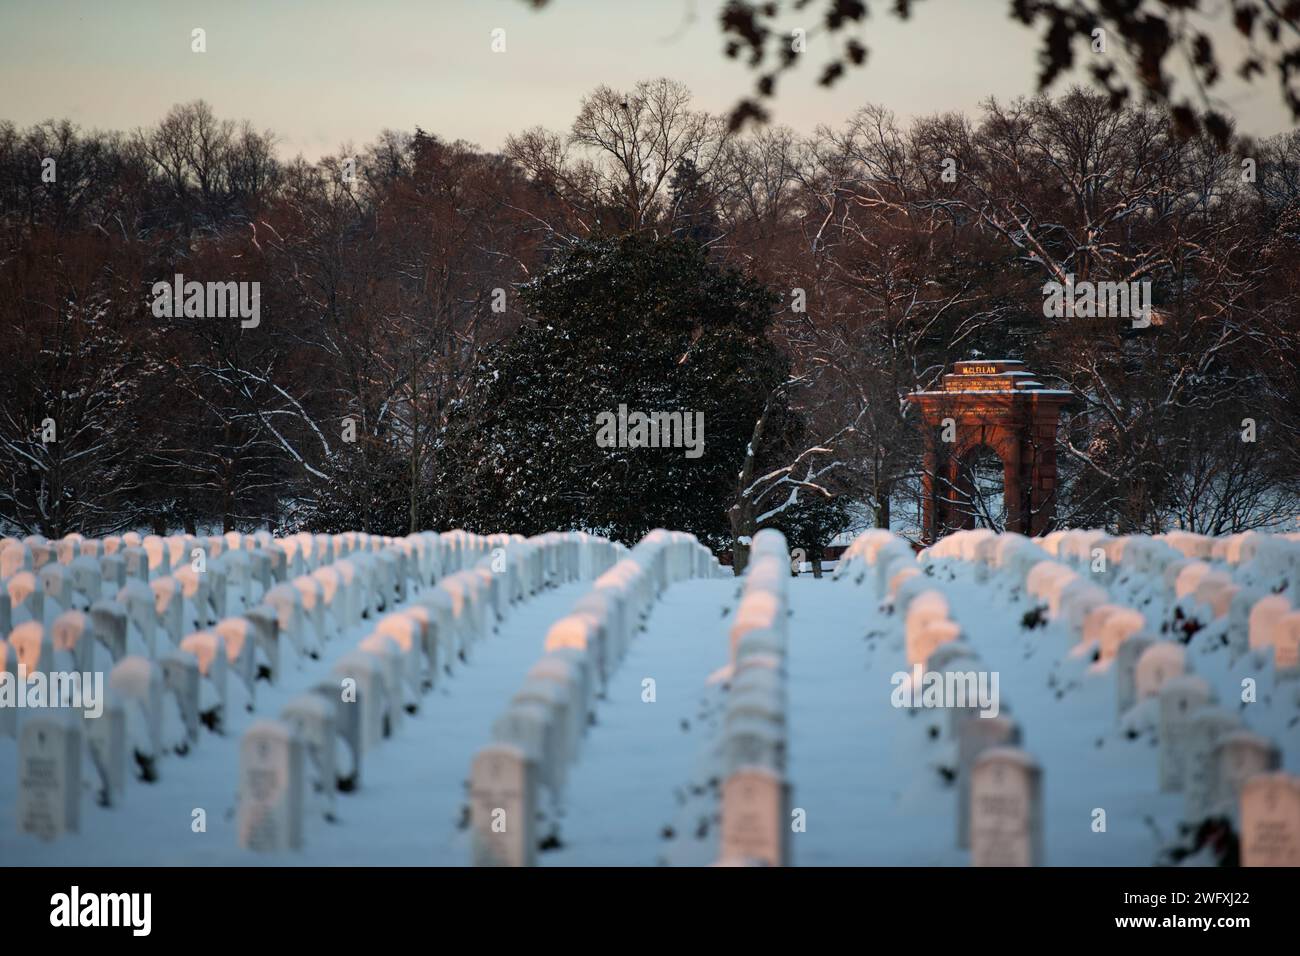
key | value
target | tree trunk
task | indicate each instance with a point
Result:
(741, 514)
(817, 566)
(882, 508)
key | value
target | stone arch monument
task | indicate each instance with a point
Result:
(994, 404)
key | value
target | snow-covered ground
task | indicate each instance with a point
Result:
(874, 780)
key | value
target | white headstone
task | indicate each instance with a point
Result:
(974, 736)
(139, 684)
(49, 776)
(1159, 663)
(365, 671)
(1208, 726)
(108, 625)
(756, 816)
(181, 679)
(1238, 756)
(503, 805)
(312, 719)
(106, 744)
(1180, 698)
(271, 788)
(1006, 809)
(1270, 820)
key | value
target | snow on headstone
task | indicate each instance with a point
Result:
(271, 788)
(136, 561)
(33, 648)
(14, 557)
(139, 684)
(106, 745)
(1270, 820)
(1161, 662)
(26, 599)
(56, 586)
(209, 651)
(141, 612)
(1181, 697)
(112, 568)
(751, 742)
(169, 603)
(1286, 647)
(108, 626)
(565, 676)
(556, 701)
(159, 557)
(312, 719)
(527, 725)
(313, 608)
(180, 671)
(406, 631)
(71, 635)
(503, 806)
(87, 581)
(1006, 809)
(286, 603)
(1263, 619)
(194, 596)
(365, 672)
(388, 653)
(347, 725)
(49, 776)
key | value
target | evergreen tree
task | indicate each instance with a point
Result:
(648, 324)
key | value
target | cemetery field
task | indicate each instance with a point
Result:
(447, 700)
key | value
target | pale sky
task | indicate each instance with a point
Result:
(323, 73)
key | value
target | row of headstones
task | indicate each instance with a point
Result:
(877, 554)
(74, 573)
(756, 792)
(155, 704)
(998, 816)
(381, 680)
(1236, 577)
(999, 786)
(539, 735)
(1204, 751)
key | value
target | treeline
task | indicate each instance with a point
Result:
(395, 280)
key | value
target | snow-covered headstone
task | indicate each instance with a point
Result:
(756, 816)
(180, 671)
(1180, 698)
(49, 776)
(1270, 820)
(312, 719)
(974, 736)
(108, 626)
(1161, 662)
(271, 788)
(1208, 726)
(503, 806)
(1238, 756)
(1006, 809)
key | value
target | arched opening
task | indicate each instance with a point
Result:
(981, 500)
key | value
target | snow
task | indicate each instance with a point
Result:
(873, 779)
